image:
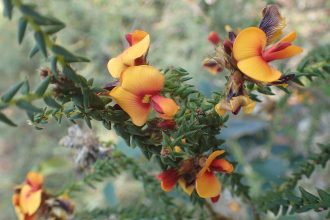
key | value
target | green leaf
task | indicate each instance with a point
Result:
(53, 66)
(40, 39)
(70, 73)
(25, 88)
(308, 196)
(54, 29)
(11, 92)
(325, 196)
(38, 18)
(28, 106)
(34, 51)
(6, 120)
(42, 87)
(67, 55)
(8, 8)
(22, 24)
(51, 102)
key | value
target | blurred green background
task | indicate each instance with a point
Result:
(266, 144)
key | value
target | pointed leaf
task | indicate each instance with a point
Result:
(28, 106)
(8, 8)
(34, 51)
(40, 39)
(51, 102)
(6, 120)
(22, 24)
(42, 87)
(25, 88)
(11, 92)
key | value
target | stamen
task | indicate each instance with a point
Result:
(146, 99)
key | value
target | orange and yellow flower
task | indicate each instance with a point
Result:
(204, 181)
(135, 55)
(207, 184)
(139, 92)
(27, 198)
(250, 47)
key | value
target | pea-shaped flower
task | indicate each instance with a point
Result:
(140, 91)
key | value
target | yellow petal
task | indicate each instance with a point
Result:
(187, 189)
(116, 67)
(209, 161)
(165, 107)
(290, 51)
(207, 185)
(132, 105)
(142, 80)
(288, 38)
(249, 42)
(135, 51)
(249, 106)
(219, 108)
(258, 69)
(29, 200)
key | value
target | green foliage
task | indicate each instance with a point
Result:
(68, 94)
(282, 197)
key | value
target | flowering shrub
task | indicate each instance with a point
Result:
(159, 112)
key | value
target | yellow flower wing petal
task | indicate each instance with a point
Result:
(135, 51)
(221, 111)
(209, 161)
(207, 185)
(132, 105)
(288, 38)
(258, 69)
(249, 106)
(142, 80)
(29, 200)
(290, 51)
(249, 42)
(187, 189)
(116, 67)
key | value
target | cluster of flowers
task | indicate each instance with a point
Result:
(246, 55)
(32, 202)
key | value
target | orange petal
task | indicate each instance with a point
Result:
(143, 80)
(209, 161)
(222, 165)
(116, 67)
(187, 189)
(258, 69)
(207, 185)
(165, 107)
(249, 42)
(135, 51)
(29, 200)
(137, 36)
(290, 51)
(34, 179)
(288, 38)
(132, 105)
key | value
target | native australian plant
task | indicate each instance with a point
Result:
(167, 118)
